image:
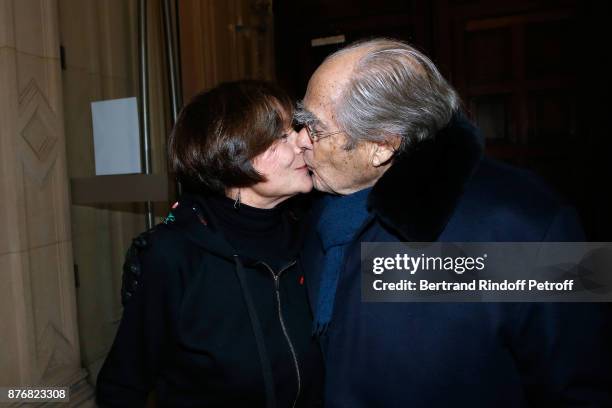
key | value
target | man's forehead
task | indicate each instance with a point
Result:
(328, 82)
(318, 105)
(321, 95)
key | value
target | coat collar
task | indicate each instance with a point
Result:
(193, 217)
(417, 195)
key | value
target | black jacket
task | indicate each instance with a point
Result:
(207, 327)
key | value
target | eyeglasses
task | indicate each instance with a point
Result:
(315, 136)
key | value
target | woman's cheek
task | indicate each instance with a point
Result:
(286, 156)
(264, 163)
(274, 160)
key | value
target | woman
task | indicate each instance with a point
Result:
(219, 317)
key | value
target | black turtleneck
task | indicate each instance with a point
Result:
(263, 234)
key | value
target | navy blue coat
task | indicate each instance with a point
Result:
(460, 354)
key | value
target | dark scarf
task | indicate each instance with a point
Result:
(340, 219)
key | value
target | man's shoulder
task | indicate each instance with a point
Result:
(517, 201)
(496, 183)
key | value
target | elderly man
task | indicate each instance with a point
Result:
(383, 134)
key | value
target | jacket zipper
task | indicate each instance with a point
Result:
(276, 277)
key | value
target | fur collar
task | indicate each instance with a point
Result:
(418, 194)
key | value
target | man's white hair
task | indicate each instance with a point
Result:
(393, 90)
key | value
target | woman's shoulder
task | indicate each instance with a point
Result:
(155, 256)
(170, 242)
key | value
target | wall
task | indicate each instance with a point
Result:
(101, 62)
(225, 41)
(38, 318)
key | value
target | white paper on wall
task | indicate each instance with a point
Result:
(116, 136)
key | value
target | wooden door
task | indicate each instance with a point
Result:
(223, 41)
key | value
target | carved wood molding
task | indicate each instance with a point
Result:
(40, 130)
(39, 281)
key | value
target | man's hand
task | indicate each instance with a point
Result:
(132, 269)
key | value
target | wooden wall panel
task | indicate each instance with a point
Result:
(40, 338)
(224, 41)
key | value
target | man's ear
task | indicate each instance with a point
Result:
(383, 152)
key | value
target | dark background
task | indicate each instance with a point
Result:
(534, 76)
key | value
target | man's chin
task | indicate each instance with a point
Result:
(317, 185)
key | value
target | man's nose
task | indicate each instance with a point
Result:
(303, 141)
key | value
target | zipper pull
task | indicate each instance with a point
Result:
(276, 283)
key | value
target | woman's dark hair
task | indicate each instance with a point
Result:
(220, 131)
